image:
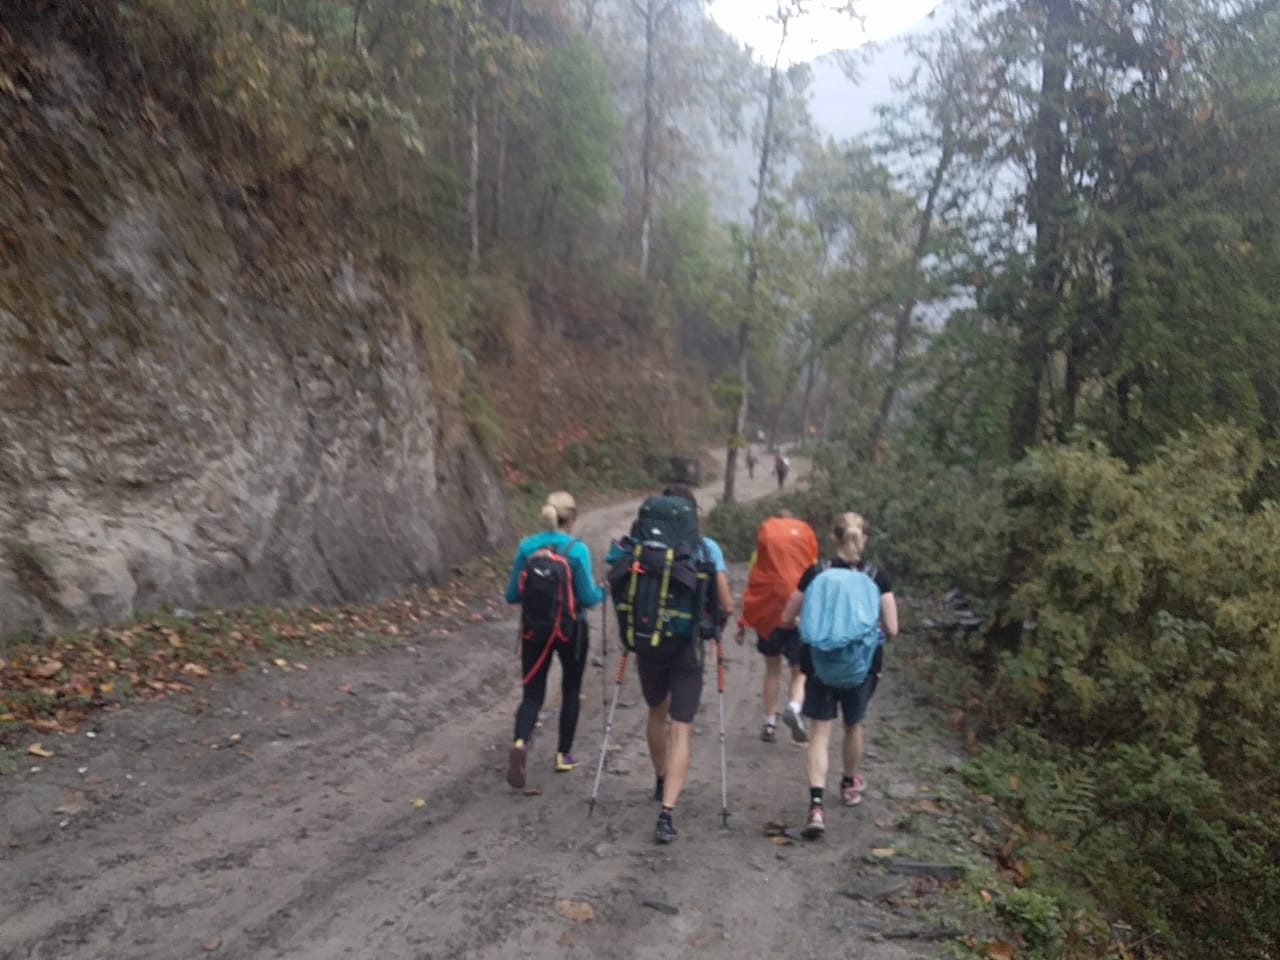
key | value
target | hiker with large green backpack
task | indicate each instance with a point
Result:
(551, 580)
(845, 609)
(671, 594)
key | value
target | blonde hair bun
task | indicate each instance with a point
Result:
(851, 536)
(558, 509)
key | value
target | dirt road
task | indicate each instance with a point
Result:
(357, 808)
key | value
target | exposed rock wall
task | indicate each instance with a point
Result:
(190, 413)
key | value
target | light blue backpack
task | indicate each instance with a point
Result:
(840, 621)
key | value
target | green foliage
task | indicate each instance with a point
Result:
(484, 422)
(572, 128)
(931, 524)
(734, 525)
(1149, 662)
(1037, 917)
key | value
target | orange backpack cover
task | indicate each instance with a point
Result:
(785, 549)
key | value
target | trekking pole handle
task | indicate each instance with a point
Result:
(719, 665)
(622, 666)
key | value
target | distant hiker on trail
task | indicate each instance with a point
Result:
(844, 610)
(671, 593)
(781, 466)
(785, 549)
(551, 580)
(751, 463)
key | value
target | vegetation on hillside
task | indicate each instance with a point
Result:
(1032, 322)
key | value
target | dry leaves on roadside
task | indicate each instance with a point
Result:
(39, 750)
(998, 950)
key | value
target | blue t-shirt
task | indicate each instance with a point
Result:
(710, 549)
(585, 590)
(714, 554)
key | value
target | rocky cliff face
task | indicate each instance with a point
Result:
(197, 409)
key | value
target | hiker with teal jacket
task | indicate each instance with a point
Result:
(844, 609)
(551, 580)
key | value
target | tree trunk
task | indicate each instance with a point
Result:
(902, 328)
(1047, 211)
(646, 151)
(473, 153)
(753, 273)
(473, 178)
(500, 162)
(810, 376)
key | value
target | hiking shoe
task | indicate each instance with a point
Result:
(565, 762)
(769, 732)
(851, 795)
(664, 830)
(795, 723)
(815, 825)
(515, 764)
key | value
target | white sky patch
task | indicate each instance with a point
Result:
(819, 32)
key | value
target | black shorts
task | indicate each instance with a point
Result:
(782, 642)
(678, 677)
(821, 702)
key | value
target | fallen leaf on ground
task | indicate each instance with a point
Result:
(184, 819)
(782, 841)
(986, 895)
(37, 750)
(235, 737)
(281, 662)
(883, 824)
(533, 791)
(882, 852)
(47, 669)
(418, 802)
(345, 688)
(195, 669)
(575, 910)
(774, 829)
(998, 950)
(211, 945)
(75, 803)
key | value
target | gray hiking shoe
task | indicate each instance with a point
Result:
(664, 831)
(795, 723)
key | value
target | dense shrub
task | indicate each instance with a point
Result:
(932, 525)
(1150, 665)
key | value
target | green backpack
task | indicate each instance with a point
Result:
(659, 579)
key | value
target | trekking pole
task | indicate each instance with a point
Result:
(724, 768)
(608, 726)
(604, 657)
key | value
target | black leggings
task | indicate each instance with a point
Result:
(573, 663)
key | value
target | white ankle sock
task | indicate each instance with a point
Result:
(795, 707)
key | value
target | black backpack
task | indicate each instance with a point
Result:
(661, 580)
(548, 607)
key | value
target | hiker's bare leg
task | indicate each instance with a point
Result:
(797, 683)
(852, 749)
(677, 762)
(815, 752)
(656, 733)
(772, 681)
